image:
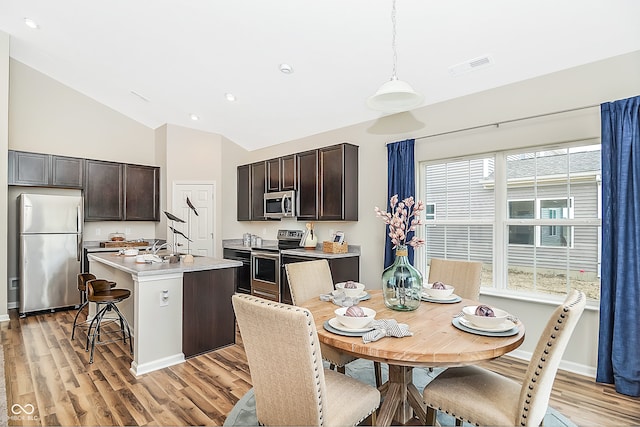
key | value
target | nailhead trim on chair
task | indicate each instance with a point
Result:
(309, 323)
(523, 414)
(315, 351)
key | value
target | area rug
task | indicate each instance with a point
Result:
(244, 412)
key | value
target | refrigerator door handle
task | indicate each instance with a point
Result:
(80, 224)
(80, 219)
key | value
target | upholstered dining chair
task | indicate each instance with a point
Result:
(290, 385)
(481, 397)
(463, 275)
(308, 280)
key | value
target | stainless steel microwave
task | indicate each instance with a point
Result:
(280, 205)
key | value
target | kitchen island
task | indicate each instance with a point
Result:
(175, 309)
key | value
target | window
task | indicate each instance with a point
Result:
(429, 211)
(539, 225)
(552, 235)
(521, 234)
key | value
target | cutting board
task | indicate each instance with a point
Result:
(122, 244)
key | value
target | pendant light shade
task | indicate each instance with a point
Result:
(394, 96)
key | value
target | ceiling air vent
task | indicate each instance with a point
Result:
(471, 65)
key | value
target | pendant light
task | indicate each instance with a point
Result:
(395, 95)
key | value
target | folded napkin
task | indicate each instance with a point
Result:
(386, 328)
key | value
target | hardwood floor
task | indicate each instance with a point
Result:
(44, 368)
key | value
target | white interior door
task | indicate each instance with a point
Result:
(199, 228)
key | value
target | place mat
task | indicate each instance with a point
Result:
(427, 298)
(333, 330)
(456, 322)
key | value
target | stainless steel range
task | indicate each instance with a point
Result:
(265, 265)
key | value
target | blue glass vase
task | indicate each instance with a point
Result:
(402, 283)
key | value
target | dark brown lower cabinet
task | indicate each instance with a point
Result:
(208, 320)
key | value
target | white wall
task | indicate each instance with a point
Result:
(4, 143)
(49, 117)
(194, 157)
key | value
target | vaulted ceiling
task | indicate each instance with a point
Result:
(162, 61)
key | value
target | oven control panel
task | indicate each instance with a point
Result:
(290, 234)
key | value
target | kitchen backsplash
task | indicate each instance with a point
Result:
(132, 230)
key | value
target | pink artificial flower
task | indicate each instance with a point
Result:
(404, 219)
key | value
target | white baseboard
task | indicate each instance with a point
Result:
(144, 368)
(576, 368)
(12, 305)
(4, 318)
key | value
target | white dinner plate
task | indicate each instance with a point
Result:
(360, 296)
(335, 323)
(504, 326)
(447, 298)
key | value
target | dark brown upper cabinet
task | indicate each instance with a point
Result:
(243, 207)
(258, 187)
(117, 191)
(288, 172)
(103, 191)
(281, 174)
(325, 180)
(45, 170)
(307, 191)
(273, 175)
(141, 193)
(338, 185)
(67, 172)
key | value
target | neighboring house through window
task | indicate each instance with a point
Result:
(536, 230)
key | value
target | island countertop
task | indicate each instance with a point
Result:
(129, 264)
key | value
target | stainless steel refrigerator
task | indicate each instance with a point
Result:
(50, 240)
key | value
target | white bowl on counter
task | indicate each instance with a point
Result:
(130, 252)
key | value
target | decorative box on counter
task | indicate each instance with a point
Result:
(335, 247)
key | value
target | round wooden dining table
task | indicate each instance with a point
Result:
(435, 342)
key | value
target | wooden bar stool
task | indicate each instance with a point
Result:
(100, 291)
(83, 278)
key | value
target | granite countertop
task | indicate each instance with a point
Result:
(236, 244)
(129, 264)
(319, 253)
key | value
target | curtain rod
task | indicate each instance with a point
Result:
(497, 124)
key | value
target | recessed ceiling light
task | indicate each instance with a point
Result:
(31, 23)
(230, 97)
(286, 68)
(194, 117)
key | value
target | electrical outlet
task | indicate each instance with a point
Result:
(127, 231)
(98, 232)
(164, 298)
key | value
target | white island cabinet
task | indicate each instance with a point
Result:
(155, 308)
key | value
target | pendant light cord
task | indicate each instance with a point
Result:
(393, 40)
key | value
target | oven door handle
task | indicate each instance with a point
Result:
(268, 255)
